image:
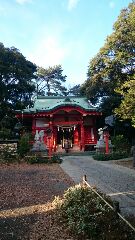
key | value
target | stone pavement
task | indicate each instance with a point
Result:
(114, 180)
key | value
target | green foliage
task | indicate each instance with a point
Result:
(56, 159)
(81, 208)
(5, 133)
(38, 158)
(7, 122)
(50, 81)
(87, 216)
(16, 76)
(121, 143)
(126, 110)
(111, 156)
(24, 145)
(8, 155)
(114, 64)
(75, 90)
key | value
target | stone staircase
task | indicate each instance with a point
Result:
(75, 148)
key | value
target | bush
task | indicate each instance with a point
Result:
(24, 145)
(110, 156)
(8, 155)
(38, 158)
(88, 217)
(82, 210)
(5, 133)
(56, 159)
(120, 143)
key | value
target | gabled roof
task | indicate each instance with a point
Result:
(50, 103)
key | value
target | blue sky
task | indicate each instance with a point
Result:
(66, 32)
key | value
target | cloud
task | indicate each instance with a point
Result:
(72, 4)
(52, 50)
(50, 47)
(48, 52)
(2, 10)
(23, 1)
(111, 4)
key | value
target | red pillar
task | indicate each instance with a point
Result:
(50, 149)
(82, 137)
(54, 138)
(50, 137)
(33, 125)
(76, 135)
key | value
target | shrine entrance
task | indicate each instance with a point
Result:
(65, 133)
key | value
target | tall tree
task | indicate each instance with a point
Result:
(75, 90)
(50, 81)
(114, 64)
(16, 75)
(126, 110)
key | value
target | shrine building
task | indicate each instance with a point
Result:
(67, 118)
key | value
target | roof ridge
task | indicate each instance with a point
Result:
(58, 97)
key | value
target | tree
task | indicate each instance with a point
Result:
(114, 64)
(126, 110)
(50, 80)
(16, 75)
(75, 90)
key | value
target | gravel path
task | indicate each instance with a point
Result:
(114, 180)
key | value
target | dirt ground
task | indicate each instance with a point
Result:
(125, 163)
(25, 195)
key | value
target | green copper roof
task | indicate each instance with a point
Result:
(45, 104)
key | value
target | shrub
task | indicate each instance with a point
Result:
(5, 133)
(38, 158)
(8, 155)
(87, 216)
(110, 156)
(83, 210)
(56, 159)
(121, 143)
(24, 145)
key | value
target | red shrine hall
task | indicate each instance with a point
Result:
(53, 120)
